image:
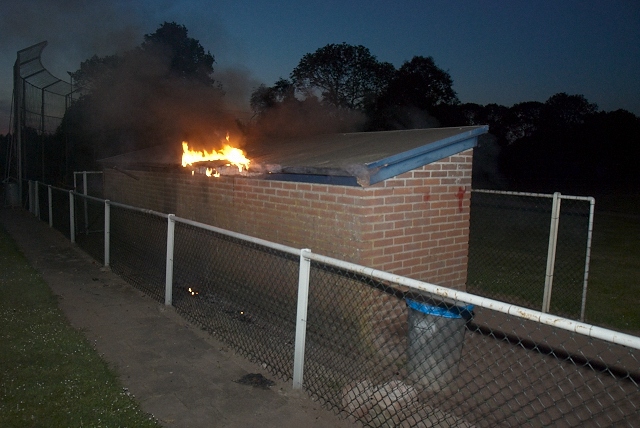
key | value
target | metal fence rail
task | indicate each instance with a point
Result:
(378, 348)
(531, 249)
(240, 291)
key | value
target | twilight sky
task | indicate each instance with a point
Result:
(501, 52)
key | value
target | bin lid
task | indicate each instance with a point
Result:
(441, 311)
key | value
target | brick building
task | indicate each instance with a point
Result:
(397, 201)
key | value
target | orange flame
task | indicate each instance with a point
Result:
(233, 155)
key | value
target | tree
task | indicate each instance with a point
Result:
(420, 94)
(345, 76)
(168, 52)
(185, 55)
(523, 120)
(95, 72)
(265, 98)
(161, 91)
(562, 110)
(422, 84)
(548, 146)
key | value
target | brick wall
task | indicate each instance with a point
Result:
(415, 224)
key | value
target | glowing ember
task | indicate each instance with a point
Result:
(230, 154)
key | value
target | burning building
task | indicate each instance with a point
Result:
(397, 201)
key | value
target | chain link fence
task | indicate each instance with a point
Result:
(40, 101)
(239, 291)
(138, 245)
(49, 204)
(381, 350)
(510, 252)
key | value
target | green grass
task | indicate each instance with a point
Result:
(613, 297)
(50, 375)
(508, 250)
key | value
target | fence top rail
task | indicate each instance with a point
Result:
(61, 189)
(591, 199)
(539, 195)
(128, 207)
(461, 296)
(269, 244)
(87, 172)
(444, 292)
(92, 198)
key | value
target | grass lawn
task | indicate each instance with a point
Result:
(50, 375)
(613, 298)
(508, 251)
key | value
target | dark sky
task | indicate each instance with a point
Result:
(501, 52)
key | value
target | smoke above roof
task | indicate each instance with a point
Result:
(147, 109)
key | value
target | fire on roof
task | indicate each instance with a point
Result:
(362, 158)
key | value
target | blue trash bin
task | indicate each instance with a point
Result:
(436, 336)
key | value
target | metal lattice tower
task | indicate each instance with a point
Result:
(39, 102)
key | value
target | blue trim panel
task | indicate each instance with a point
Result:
(430, 147)
(335, 180)
(417, 160)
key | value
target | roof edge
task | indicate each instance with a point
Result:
(406, 161)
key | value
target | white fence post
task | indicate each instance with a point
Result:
(72, 219)
(168, 291)
(50, 198)
(551, 253)
(86, 207)
(37, 199)
(31, 202)
(301, 319)
(107, 232)
(592, 203)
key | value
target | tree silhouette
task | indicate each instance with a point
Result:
(162, 91)
(422, 84)
(420, 95)
(186, 56)
(343, 75)
(265, 98)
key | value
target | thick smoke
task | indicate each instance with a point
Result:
(74, 30)
(299, 118)
(142, 104)
(139, 107)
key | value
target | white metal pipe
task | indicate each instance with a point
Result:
(461, 296)
(31, 204)
(587, 261)
(539, 195)
(86, 213)
(107, 232)
(37, 199)
(301, 318)
(87, 197)
(72, 220)
(269, 244)
(50, 197)
(551, 252)
(131, 208)
(505, 192)
(483, 302)
(168, 292)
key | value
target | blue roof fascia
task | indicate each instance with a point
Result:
(335, 180)
(424, 155)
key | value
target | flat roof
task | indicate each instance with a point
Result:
(359, 158)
